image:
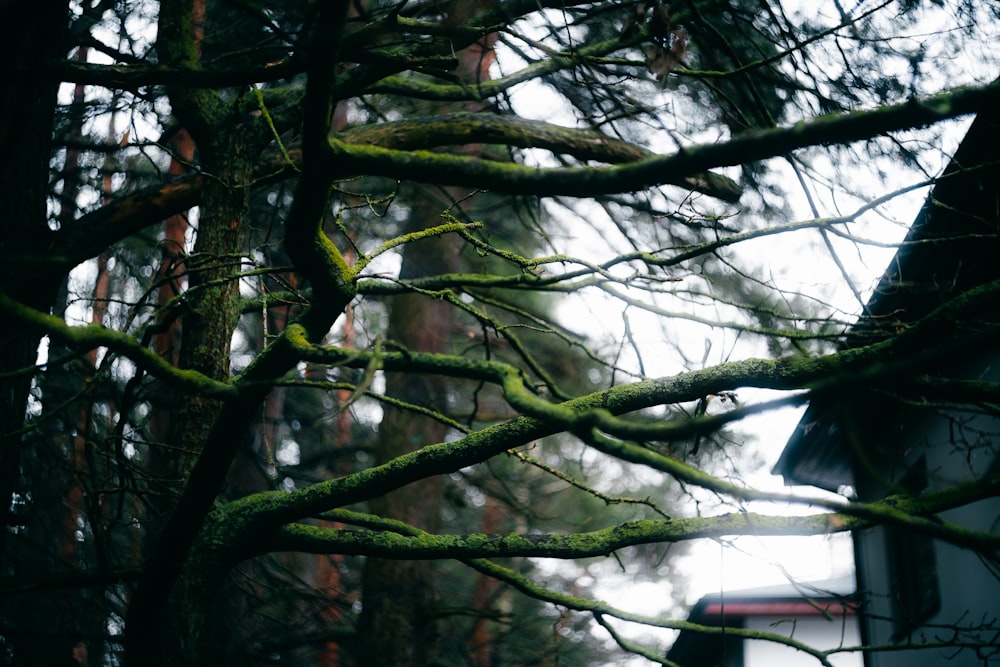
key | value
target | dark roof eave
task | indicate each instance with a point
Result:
(929, 268)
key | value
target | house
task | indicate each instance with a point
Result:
(922, 601)
(818, 614)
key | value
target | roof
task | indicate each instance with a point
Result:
(952, 246)
(789, 599)
(755, 601)
(731, 608)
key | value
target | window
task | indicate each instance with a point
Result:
(913, 565)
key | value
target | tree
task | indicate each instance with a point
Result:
(261, 395)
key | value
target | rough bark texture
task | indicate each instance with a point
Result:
(207, 329)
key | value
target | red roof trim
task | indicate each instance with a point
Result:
(790, 608)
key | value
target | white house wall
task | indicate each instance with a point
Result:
(955, 446)
(816, 631)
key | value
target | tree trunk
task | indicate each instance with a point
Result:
(400, 598)
(397, 626)
(31, 474)
(26, 127)
(207, 325)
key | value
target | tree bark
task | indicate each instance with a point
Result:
(400, 597)
(26, 126)
(397, 626)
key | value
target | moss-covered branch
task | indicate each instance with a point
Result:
(385, 544)
(598, 608)
(953, 328)
(390, 539)
(466, 127)
(346, 159)
(938, 336)
(426, 89)
(93, 336)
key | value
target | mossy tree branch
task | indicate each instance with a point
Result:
(344, 159)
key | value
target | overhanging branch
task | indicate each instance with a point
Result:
(345, 160)
(603, 542)
(463, 128)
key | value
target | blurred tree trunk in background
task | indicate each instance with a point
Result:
(402, 605)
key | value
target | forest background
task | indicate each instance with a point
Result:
(307, 281)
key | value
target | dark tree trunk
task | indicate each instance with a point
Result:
(26, 126)
(26, 123)
(154, 633)
(397, 627)
(400, 597)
